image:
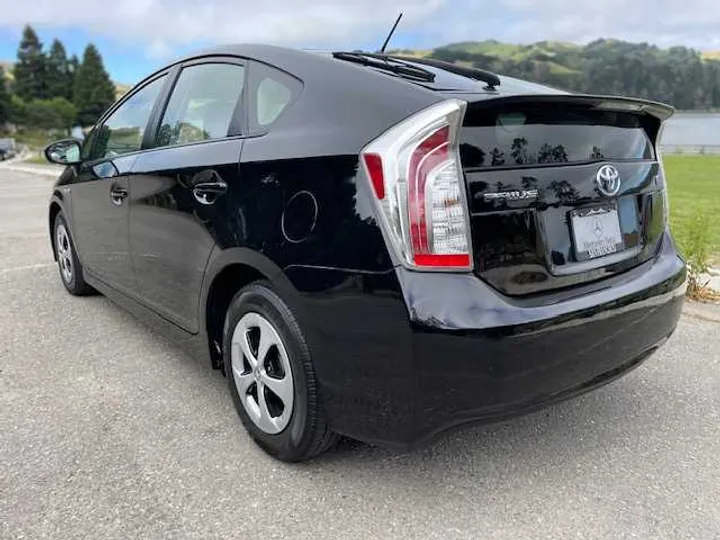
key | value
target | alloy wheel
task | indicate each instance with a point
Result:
(64, 253)
(262, 373)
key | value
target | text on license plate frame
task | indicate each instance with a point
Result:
(596, 231)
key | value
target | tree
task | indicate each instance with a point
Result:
(56, 113)
(29, 70)
(4, 99)
(17, 110)
(39, 114)
(94, 92)
(58, 76)
(73, 66)
(65, 112)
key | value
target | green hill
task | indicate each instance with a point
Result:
(512, 51)
(121, 89)
(680, 76)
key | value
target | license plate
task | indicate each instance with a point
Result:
(596, 232)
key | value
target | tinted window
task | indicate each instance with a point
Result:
(272, 91)
(123, 131)
(272, 98)
(547, 134)
(202, 104)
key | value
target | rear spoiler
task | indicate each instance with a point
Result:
(660, 111)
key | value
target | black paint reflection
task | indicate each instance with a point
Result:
(522, 246)
(550, 134)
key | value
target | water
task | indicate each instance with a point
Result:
(692, 132)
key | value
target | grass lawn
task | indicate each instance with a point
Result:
(694, 188)
(35, 139)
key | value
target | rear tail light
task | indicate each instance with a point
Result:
(663, 179)
(666, 199)
(417, 181)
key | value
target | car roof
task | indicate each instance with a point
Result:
(308, 63)
(339, 93)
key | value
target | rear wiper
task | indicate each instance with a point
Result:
(387, 63)
(488, 77)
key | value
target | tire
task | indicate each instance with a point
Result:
(71, 271)
(302, 434)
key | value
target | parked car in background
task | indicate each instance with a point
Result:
(375, 246)
(7, 149)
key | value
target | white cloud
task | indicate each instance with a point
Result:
(180, 22)
(693, 23)
(161, 25)
(158, 50)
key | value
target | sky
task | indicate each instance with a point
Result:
(138, 36)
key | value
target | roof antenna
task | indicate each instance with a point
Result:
(382, 51)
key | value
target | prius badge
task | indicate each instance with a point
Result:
(514, 195)
(608, 180)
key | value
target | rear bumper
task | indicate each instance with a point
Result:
(484, 377)
(404, 356)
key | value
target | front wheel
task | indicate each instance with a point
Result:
(271, 376)
(71, 271)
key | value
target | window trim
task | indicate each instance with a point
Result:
(238, 123)
(119, 103)
(153, 125)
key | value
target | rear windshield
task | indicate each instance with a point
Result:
(547, 134)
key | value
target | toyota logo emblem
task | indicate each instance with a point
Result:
(608, 180)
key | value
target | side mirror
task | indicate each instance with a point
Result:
(65, 152)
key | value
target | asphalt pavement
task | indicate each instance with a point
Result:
(108, 431)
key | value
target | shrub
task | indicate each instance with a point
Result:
(696, 250)
(56, 113)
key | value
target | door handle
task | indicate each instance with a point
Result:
(208, 192)
(118, 195)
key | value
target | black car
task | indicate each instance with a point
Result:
(375, 246)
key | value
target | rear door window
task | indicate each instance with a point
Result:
(203, 104)
(271, 92)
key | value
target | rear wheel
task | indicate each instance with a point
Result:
(71, 271)
(271, 376)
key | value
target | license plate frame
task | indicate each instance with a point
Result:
(596, 231)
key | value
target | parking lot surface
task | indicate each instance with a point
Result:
(109, 431)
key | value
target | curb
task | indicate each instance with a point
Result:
(702, 311)
(712, 277)
(51, 173)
